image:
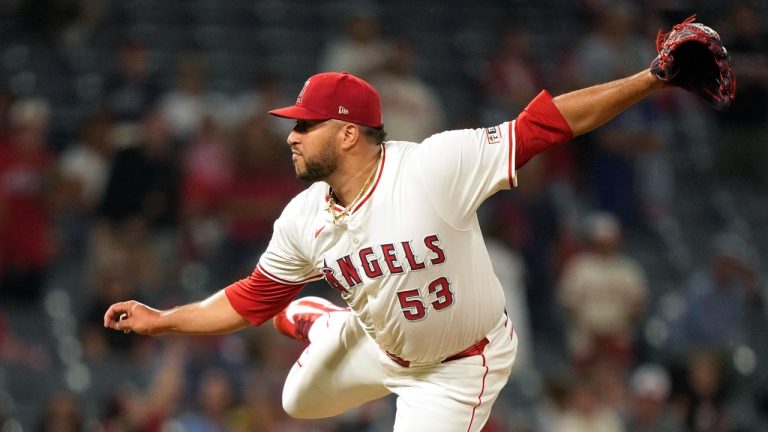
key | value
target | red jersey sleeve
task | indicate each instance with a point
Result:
(258, 298)
(539, 127)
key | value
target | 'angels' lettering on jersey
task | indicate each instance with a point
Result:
(384, 259)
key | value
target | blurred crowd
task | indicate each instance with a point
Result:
(634, 275)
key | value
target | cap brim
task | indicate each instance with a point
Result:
(297, 112)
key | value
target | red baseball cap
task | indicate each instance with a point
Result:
(335, 95)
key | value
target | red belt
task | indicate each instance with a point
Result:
(475, 349)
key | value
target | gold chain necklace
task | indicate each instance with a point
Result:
(338, 217)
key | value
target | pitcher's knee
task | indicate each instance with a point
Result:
(308, 405)
(297, 408)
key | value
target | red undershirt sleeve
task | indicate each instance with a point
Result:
(258, 298)
(539, 127)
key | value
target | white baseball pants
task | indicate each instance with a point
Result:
(343, 368)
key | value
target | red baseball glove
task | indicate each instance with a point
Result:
(693, 57)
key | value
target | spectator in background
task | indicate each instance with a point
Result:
(741, 152)
(215, 398)
(258, 411)
(512, 77)
(410, 106)
(377, 417)
(360, 50)
(132, 89)
(586, 412)
(26, 167)
(141, 202)
(14, 349)
(551, 407)
(649, 409)
(269, 359)
(613, 45)
(129, 409)
(189, 101)
(84, 165)
(604, 294)
(704, 394)
(612, 382)
(143, 180)
(112, 278)
(89, 29)
(207, 172)
(626, 160)
(729, 290)
(264, 92)
(529, 222)
(83, 168)
(262, 182)
(503, 245)
(63, 413)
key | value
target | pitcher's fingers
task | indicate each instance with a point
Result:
(123, 324)
(110, 315)
(113, 314)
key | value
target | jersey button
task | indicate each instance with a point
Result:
(356, 240)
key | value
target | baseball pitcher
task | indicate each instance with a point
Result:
(392, 227)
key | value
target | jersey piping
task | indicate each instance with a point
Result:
(512, 150)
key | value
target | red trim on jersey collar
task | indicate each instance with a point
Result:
(370, 192)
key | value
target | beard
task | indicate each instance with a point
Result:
(321, 166)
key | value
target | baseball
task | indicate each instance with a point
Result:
(122, 317)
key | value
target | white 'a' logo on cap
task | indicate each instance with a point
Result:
(343, 110)
(301, 93)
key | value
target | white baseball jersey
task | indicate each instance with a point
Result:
(410, 258)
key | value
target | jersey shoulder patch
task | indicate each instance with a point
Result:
(493, 134)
